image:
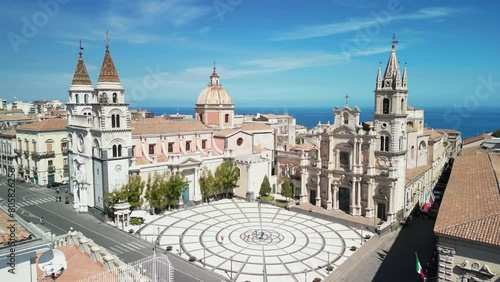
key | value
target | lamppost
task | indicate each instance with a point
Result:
(204, 257)
(231, 268)
(180, 247)
(361, 235)
(328, 264)
(305, 275)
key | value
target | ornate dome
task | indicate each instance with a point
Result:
(214, 94)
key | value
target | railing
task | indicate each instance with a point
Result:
(86, 121)
(64, 152)
(18, 152)
(41, 155)
(51, 169)
(66, 167)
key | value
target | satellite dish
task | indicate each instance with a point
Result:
(52, 263)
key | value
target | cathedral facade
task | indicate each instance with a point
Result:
(377, 169)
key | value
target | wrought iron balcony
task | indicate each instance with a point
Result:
(26, 154)
(42, 155)
(65, 152)
(51, 169)
(66, 167)
(18, 152)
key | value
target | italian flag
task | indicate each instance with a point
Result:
(419, 268)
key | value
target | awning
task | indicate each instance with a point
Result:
(140, 214)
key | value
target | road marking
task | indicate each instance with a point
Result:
(111, 239)
(114, 250)
(136, 244)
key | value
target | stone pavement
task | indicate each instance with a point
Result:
(247, 241)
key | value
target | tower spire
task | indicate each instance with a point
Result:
(214, 78)
(108, 71)
(81, 76)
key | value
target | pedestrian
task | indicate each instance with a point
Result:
(57, 190)
(221, 239)
(42, 221)
(248, 237)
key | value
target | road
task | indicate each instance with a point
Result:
(34, 202)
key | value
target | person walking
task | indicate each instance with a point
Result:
(221, 239)
(42, 221)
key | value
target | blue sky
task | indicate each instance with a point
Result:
(276, 53)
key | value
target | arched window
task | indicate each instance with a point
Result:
(115, 151)
(119, 150)
(346, 118)
(115, 98)
(386, 106)
(226, 118)
(77, 99)
(402, 105)
(384, 143)
(201, 117)
(113, 124)
(422, 145)
(117, 122)
(86, 99)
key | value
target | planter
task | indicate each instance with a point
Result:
(329, 268)
(367, 236)
(191, 258)
(169, 248)
(317, 279)
(353, 248)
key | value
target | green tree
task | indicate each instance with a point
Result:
(496, 133)
(206, 182)
(130, 192)
(226, 176)
(286, 189)
(156, 192)
(265, 187)
(173, 188)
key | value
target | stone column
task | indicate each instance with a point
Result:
(329, 205)
(196, 183)
(303, 186)
(250, 195)
(337, 159)
(352, 196)
(318, 190)
(370, 208)
(335, 196)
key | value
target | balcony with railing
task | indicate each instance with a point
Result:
(51, 169)
(85, 121)
(42, 155)
(26, 154)
(18, 152)
(65, 152)
(66, 167)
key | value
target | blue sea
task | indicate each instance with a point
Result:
(471, 122)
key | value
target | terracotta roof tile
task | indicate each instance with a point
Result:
(470, 208)
(81, 76)
(20, 233)
(476, 138)
(434, 135)
(46, 125)
(413, 173)
(449, 131)
(255, 126)
(9, 133)
(108, 71)
(163, 126)
(14, 117)
(226, 132)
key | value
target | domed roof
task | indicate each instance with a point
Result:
(214, 94)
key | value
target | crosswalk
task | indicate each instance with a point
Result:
(129, 247)
(34, 202)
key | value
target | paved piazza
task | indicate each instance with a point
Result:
(255, 241)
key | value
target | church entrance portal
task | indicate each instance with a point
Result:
(381, 211)
(344, 199)
(185, 194)
(312, 197)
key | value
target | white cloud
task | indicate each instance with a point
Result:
(313, 31)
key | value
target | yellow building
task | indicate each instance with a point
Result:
(42, 150)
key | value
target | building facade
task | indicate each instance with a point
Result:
(42, 152)
(378, 169)
(99, 133)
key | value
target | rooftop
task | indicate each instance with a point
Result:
(433, 134)
(46, 125)
(470, 208)
(14, 117)
(21, 234)
(8, 133)
(476, 138)
(255, 126)
(164, 126)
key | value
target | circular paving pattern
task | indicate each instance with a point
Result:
(244, 241)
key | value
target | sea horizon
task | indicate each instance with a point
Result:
(470, 122)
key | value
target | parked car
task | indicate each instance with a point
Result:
(65, 182)
(54, 184)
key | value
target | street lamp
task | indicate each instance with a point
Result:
(328, 264)
(305, 275)
(231, 268)
(180, 247)
(204, 257)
